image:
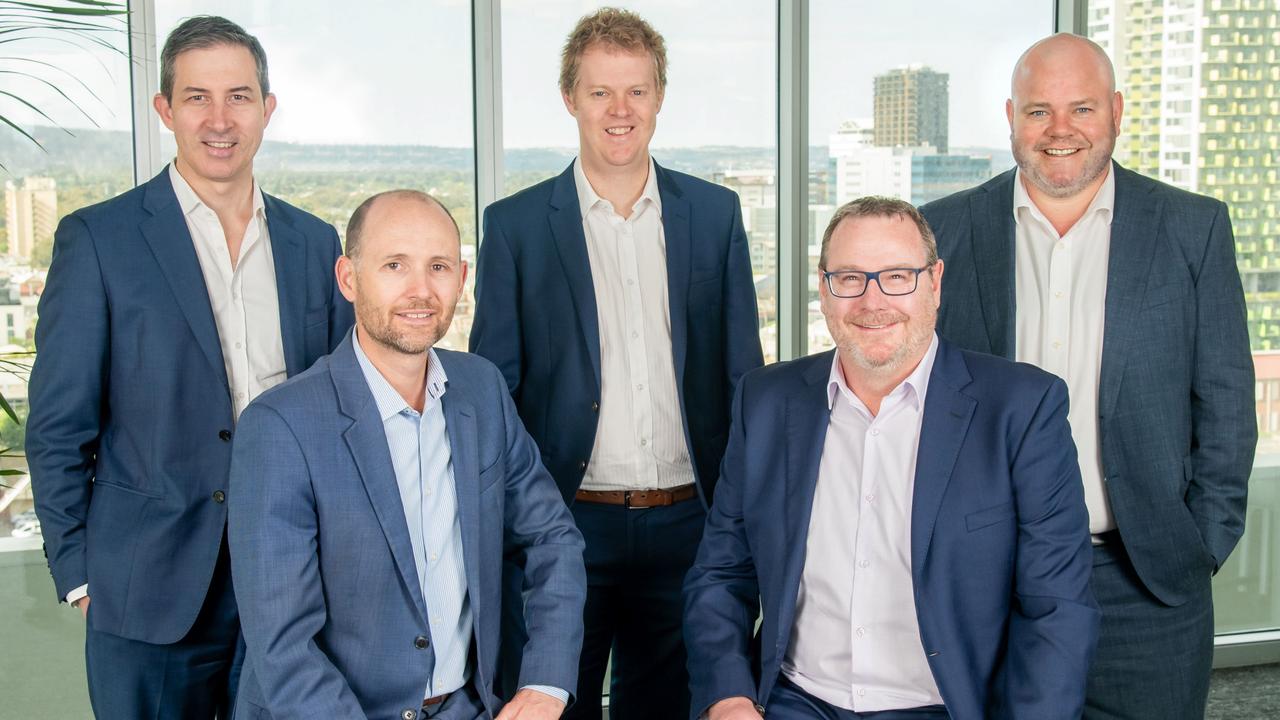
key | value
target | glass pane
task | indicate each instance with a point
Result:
(718, 118)
(369, 101)
(1199, 79)
(87, 157)
(916, 115)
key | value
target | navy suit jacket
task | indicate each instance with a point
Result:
(1000, 556)
(536, 316)
(330, 601)
(1176, 395)
(129, 436)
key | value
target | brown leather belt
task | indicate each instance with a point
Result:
(638, 498)
(433, 701)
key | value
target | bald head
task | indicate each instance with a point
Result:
(389, 202)
(1063, 50)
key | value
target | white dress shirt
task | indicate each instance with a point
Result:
(640, 441)
(246, 306)
(1060, 294)
(855, 642)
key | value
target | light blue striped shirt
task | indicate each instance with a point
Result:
(423, 463)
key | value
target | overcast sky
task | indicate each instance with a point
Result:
(389, 71)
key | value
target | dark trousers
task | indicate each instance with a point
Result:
(1152, 661)
(636, 561)
(192, 679)
(788, 702)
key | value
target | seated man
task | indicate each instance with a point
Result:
(910, 515)
(373, 497)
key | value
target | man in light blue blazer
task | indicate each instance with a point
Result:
(167, 310)
(908, 514)
(372, 501)
(1128, 289)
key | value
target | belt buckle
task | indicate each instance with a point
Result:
(626, 501)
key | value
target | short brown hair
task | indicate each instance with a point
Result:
(355, 226)
(621, 29)
(879, 206)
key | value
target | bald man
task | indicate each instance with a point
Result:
(1127, 288)
(373, 496)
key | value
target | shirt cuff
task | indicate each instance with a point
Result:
(555, 692)
(77, 594)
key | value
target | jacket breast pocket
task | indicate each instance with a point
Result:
(988, 516)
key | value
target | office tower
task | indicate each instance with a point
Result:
(1201, 80)
(31, 214)
(911, 108)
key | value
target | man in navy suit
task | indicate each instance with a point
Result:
(371, 501)
(1127, 288)
(908, 514)
(617, 299)
(167, 310)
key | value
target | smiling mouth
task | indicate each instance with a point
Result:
(616, 131)
(416, 315)
(1061, 152)
(219, 145)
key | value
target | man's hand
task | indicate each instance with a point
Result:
(531, 705)
(83, 604)
(734, 708)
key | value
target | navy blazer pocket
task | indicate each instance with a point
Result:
(989, 516)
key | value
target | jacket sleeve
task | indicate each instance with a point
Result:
(721, 591)
(1224, 429)
(272, 531)
(341, 314)
(1054, 621)
(495, 329)
(67, 394)
(741, 317)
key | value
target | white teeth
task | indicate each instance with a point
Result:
(221, 145)
(417, 316)
(618, 130)
(1061, 152)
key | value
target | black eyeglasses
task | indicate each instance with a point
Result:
(892, 281)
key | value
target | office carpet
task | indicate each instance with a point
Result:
(1245, 693)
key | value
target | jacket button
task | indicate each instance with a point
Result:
(595, 407)
(582, 464)
(421, 642)
(219, 496)
(224, 435)
(409, 715)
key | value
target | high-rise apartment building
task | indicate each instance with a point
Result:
(911, 108)
(31, 214)
(1201, 80)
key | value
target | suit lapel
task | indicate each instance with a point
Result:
(367, 441)
(170, 241)
(679, 242)
(288, 251)
(1134, 226)
(807, 418)
(571, 245)
(460, 422)
(993, 256)
(947, 413)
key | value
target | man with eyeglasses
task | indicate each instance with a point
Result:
(908, 516)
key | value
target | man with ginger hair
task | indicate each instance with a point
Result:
(1128, 289)
(617, 299)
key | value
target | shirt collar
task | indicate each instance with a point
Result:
(189, 201)
(587, 197)
(915, 386)
(1104, 201)
(388, 400)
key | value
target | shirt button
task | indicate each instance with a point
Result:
(631, 281)
(871, 498)
(1058, 294)
(860, 632)
(640, 386)
(238, 346)
(1057, 344)
(863, 563)
(635, 334)
(862, 693)
(875, 432)
(219, 496)
(435, 557)
(644, 441)
(421, 642)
